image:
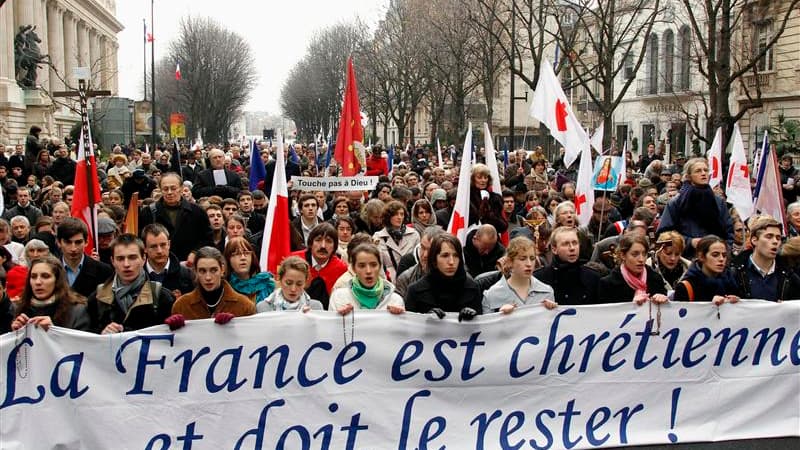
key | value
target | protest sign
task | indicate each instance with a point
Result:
(334, 183)
(581, 377)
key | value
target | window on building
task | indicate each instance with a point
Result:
(652, 65)
(762, 35)
(686, 57)
(669, 60)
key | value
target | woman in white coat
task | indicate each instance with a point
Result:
(367, 290)
(395, 239)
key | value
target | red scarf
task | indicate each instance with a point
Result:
(637, 283)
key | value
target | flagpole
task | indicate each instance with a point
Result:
(144, 59)
(153, 74)
(88, 161)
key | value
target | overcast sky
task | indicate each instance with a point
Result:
(278, 33)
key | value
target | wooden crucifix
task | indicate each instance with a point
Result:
(86, 151)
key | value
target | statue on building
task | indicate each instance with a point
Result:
(28, 56)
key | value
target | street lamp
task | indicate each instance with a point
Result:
(130, 116)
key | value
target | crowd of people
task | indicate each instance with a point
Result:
(664, 235)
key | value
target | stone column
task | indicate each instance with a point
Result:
(7, 32)
(70, 47)
(23, 13)
(40, 20)
(83, 44)
(56, 38)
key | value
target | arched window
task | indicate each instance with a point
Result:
(652, 65)
(669, 60)
(686, 57)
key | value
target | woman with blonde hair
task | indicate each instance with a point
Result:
(291, 294)
(521, 287)
(668, 261)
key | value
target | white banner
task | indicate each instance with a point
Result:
(583, 377)
(359, 183)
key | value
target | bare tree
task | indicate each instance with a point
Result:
(731, 43)
(217, 78)
(312, 95)
(603, 39)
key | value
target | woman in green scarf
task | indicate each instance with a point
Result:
(245, 277)
(368, 289)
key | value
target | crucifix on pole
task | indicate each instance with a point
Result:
(83, 95)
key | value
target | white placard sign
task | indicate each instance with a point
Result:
(595, 376)
(334, 183)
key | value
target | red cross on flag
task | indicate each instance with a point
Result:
(551, 107)
(714, 156)
(460, 217)
(584, 193)
(738, 187)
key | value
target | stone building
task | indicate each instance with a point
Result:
(73, 33)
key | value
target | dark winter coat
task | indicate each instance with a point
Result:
(613, 288)
(573, 284)
(191, 231)
(151, 307)
(704, 288)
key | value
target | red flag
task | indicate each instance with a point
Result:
(178, 71)
(350, 138)
(276, 237)
(87, 191)
(460, 217)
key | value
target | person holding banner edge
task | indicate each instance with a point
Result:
(368, 289)
(632, 279)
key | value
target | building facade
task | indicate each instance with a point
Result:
(73, 33)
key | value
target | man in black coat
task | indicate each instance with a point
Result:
(32, 148)
(205, 185)
(63, 168)
(482, 250)
(186, 222)
(162, 265)
(84, 274)
(573, 283)
(191, 169)
(139, 182)
(292, 168)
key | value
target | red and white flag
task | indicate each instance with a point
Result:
(770, 196)
(551, 107)
(738, 188)
(584, 193)
(459, 220)
(276, 238)
(714, 156)
(178, 71)
(87, 190)
(623, 173)
(491, 159)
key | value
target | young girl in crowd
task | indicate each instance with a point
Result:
(47, 299)
(447, 287)
(668, 261)
(632, 279)
(213, 296)
(521, 287)
(291, 295)
(245, 275)
(708, 278)
(368, 289)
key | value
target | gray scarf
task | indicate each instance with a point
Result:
(281, 304)
(124, 294)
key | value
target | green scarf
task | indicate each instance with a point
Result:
(367, 297)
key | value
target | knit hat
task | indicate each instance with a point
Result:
(438, 194)
(15, 280)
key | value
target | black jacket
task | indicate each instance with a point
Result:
(788, 280)
(613, 288)
(177, 277)
(204, 185)
(423, 296)
(191, 231)
(703, 287)
(63, 170)
(477, 263)
(487, 211)
(190, 174)
(573, 284)
(292, 168)
(6, 314)
(145, 188)
(91, 275)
